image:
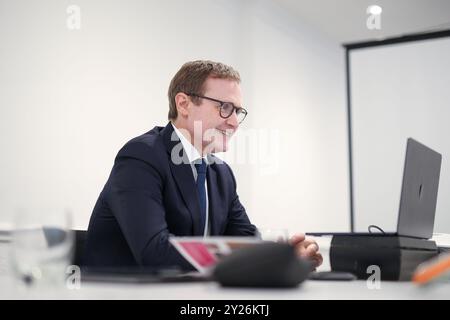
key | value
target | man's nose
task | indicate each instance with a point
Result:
(233, 120)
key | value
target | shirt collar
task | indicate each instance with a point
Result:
(191, 152)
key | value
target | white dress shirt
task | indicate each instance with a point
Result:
(193, 155)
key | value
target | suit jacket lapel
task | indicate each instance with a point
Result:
(182, 173)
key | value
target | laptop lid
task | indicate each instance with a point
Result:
(419, 191)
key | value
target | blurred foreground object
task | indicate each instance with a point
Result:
(41, 246)
(437, 268)
(268, 264)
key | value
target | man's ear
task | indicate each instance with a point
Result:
(182, 102)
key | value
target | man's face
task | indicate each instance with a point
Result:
(204, 122)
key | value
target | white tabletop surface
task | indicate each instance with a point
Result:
(11, 289)
(309, 289)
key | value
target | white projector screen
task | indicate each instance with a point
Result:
(397, 91)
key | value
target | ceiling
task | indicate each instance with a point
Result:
(345, 20)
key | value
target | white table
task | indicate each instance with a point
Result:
(352, 290)
(212, 291)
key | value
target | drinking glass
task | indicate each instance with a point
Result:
(42, 244)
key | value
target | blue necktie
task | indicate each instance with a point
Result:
(201, 177)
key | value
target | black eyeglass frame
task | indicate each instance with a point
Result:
(235, 109)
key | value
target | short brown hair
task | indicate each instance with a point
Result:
(192, 76)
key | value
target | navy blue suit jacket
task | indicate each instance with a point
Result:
(148, 197)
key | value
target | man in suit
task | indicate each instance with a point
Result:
(168, 182)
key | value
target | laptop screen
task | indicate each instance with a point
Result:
(418, 194)
(419, 191)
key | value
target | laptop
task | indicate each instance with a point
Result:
(418, 195)
(132, 274)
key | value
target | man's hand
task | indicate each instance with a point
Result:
(307, 249)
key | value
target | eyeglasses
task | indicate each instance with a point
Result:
(226, 108)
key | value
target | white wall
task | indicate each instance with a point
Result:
(298, 91)
(398, 91)
(70, 99)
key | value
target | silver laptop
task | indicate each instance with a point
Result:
(418, 197)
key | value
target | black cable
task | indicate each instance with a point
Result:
(372, 226)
